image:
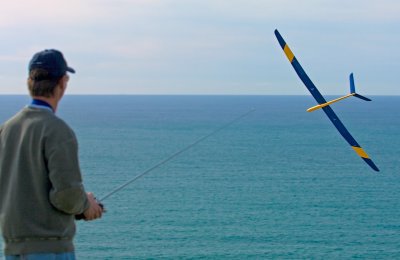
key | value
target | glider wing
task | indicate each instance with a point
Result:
(321, 100)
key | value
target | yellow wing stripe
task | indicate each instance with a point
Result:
(289, 53)
(360, 152)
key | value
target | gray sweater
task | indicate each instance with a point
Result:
(40, 183)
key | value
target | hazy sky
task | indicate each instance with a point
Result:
(205, 46)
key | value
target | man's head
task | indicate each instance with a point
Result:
(47, 69)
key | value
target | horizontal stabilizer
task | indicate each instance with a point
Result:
(362, 97)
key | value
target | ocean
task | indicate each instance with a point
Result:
(279, 183)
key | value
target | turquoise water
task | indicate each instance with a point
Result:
(280, 183)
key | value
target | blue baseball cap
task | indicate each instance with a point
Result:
(52, 61)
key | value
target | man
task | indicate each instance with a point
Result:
(41, 189)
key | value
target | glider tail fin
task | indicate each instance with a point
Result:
(353, 89)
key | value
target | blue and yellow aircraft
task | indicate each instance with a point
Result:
(324, 105)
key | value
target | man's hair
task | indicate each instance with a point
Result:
(40, 84)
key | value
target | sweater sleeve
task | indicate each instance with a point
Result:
(67, 192)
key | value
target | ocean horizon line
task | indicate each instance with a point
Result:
(206, 95)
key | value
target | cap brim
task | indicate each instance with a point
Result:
(69, 69)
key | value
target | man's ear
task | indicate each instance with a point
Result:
(62, 86)
(63, 82)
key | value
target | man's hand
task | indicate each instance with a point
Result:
(95, 210)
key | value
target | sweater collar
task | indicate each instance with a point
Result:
(41, 104)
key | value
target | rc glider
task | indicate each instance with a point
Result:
(324, 105)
